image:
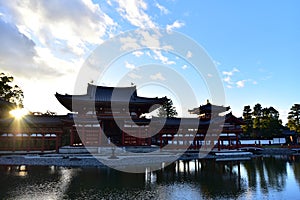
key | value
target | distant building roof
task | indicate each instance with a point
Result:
(208, 108)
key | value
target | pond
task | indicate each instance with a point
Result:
(259, 178)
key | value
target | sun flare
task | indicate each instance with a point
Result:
(18, 113)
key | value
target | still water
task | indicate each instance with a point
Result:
(259, 178)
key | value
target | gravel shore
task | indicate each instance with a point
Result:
(88, 160)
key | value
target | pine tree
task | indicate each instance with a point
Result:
(294, 118)
(167, 109)
(247, 117)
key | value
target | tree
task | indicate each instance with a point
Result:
(9, 92)
(271, 125)
(266, 122)
(294, 118)
(247, 117)
(167, 109)
(257, 113)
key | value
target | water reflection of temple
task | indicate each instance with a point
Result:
(107, 115)
(261, 178)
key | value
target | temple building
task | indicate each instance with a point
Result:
(102, 113)
(106, 115)
(114, 114)
(30, 133)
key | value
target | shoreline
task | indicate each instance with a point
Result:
(123, 160)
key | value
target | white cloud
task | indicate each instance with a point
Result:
(240, 84)
(134, 12)
(176, 24)
(148, 54)
(60, 25)
(184, 67)
(231, 82)
(129, 65)
(230, 73)
(162, 9)
(217, 63)
(129, 43)
(227, 80)
(20, 56)
(189, 54)
(209, 75)
(138, 53)
(165, 60)
(157, 76)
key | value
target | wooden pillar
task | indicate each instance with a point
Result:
(160, 137)
(123, 138)
(72, 136)
(57, 142)
(14, 142)
(139, 136)
(28, 141)
(43, 142)
(99, 137)
(83, 135)
(236, 141)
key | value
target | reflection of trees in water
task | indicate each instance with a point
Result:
(276, 171)
(214, 179)
(260, 166)
(296, 168)
(219, 180)
(251, 174)
(271, 172)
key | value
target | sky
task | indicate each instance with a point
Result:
(253, 44)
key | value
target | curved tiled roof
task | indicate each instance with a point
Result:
(100, 95)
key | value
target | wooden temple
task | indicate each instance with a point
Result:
(102, 113)
(114, 114)
(30, 133)
(106, 115)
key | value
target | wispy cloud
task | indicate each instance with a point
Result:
(129, 65)
(162, 9)
(230, 73)
(230, 79)
(189, 54)
(165, 60)
(134, 12)
(184, 67)
(157, 76)
(176, 24)
(138, 53)
(240, 84)
(217, 63)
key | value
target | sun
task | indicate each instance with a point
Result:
(18, 113)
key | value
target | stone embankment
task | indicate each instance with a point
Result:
(124, 159)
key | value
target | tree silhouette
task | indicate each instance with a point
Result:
(247, 117)
(9, 92)
(167, 109)
(294, 118)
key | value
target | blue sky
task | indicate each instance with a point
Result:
(254, 44)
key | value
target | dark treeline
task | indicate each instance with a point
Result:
(265, 123)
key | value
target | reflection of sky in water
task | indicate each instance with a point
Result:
(267, 178)
(44, 189)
